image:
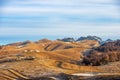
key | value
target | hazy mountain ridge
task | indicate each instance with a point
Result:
(67, 39)
(81, 38)
(96, 38)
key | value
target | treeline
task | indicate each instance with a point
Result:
(108, 47)
(108, 52)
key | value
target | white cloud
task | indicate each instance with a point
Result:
(86, 7)
(68, 7)
(105, 11)
(64, 30)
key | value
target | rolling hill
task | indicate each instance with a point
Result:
(46, 57)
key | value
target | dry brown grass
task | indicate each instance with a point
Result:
(51, 60)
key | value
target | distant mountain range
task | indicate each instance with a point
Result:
(90, 38)
(96, 38)
(71, 39)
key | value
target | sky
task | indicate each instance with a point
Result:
(22, 20)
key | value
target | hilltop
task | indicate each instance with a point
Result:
(46, 57)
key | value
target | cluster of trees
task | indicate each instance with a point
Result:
(108, 52)
(0, 47)
(108, 47)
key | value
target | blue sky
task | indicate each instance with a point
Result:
(35, 19)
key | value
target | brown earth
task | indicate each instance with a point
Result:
(44, 57)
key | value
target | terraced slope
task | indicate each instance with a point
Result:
(45, 57)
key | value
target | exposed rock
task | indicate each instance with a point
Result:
(90, 38)
(67, 39)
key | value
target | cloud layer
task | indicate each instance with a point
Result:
(60, 17)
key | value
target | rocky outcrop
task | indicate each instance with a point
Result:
(81, 38)
(90, 38)
(67, 39)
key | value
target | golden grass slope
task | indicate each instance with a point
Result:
(51, 57)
